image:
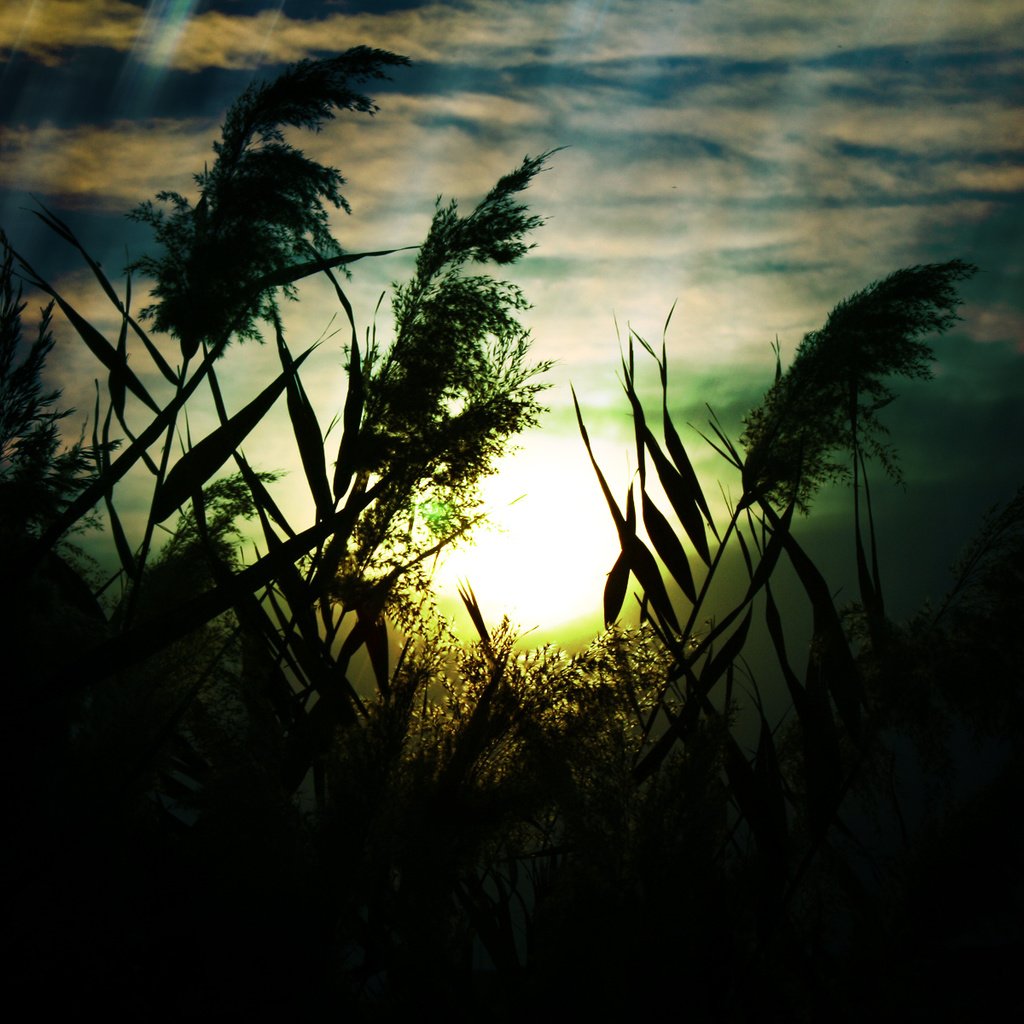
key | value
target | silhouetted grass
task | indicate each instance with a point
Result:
(211, 810)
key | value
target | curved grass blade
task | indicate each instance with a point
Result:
(307, 431)
(869, 579)
(832, 663)
(774, 622)
(56, 224)
(759, 793)
(352, 416)
(376, 644)
(620, 522)
(688, 477)
(123, 548)
(98, 345)
(296, 272)
(716, 666)
(201, 462)
(773, 549)
(615, 588)
(822, 766)
(115, 381)
(668, 547)
(673, 442)
(686, 502)
(345, 466)
(745, 552)
(645, 569)
(264, 502)
(154, 353)
(469, 599)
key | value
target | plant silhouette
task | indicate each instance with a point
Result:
(260, 222)
(283, 784)
(827, 401)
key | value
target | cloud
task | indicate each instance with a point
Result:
(494, 33)
(705, 202)
(46, 29)
(110, 167)
(743, 166)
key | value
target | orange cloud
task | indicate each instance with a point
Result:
(42, 29)
(111, 167)
(494, 32)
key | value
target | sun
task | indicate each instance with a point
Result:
(546, 549)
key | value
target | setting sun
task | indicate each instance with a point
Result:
(548, 545)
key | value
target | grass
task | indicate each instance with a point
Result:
(208, 811)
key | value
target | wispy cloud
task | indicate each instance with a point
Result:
(493, 32)
(46, 29)
(785, 153)
(110, 167)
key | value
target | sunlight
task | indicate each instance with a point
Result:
(543, 558)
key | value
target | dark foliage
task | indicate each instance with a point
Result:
(280, 784)
(261, 205)
(825, 405)
(39, 473)
(454, 386)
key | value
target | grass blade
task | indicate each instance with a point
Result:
(685, 500)
(376, 644)
(615, 588)
(716, 666)
(307, 431)
(56, 224)
(200, 463)
(620, 522)
(262, 499)
(832, 662)
(296, 272)
(687, 503)
(759, 793)
(822, 767)
(668, 546)
(98, 345)
(124, 551)
(475, 613)
(345, 467)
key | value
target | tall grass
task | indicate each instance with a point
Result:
(209, 810)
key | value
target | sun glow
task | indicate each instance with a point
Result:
(542, 557)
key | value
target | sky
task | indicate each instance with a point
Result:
(748, 164)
